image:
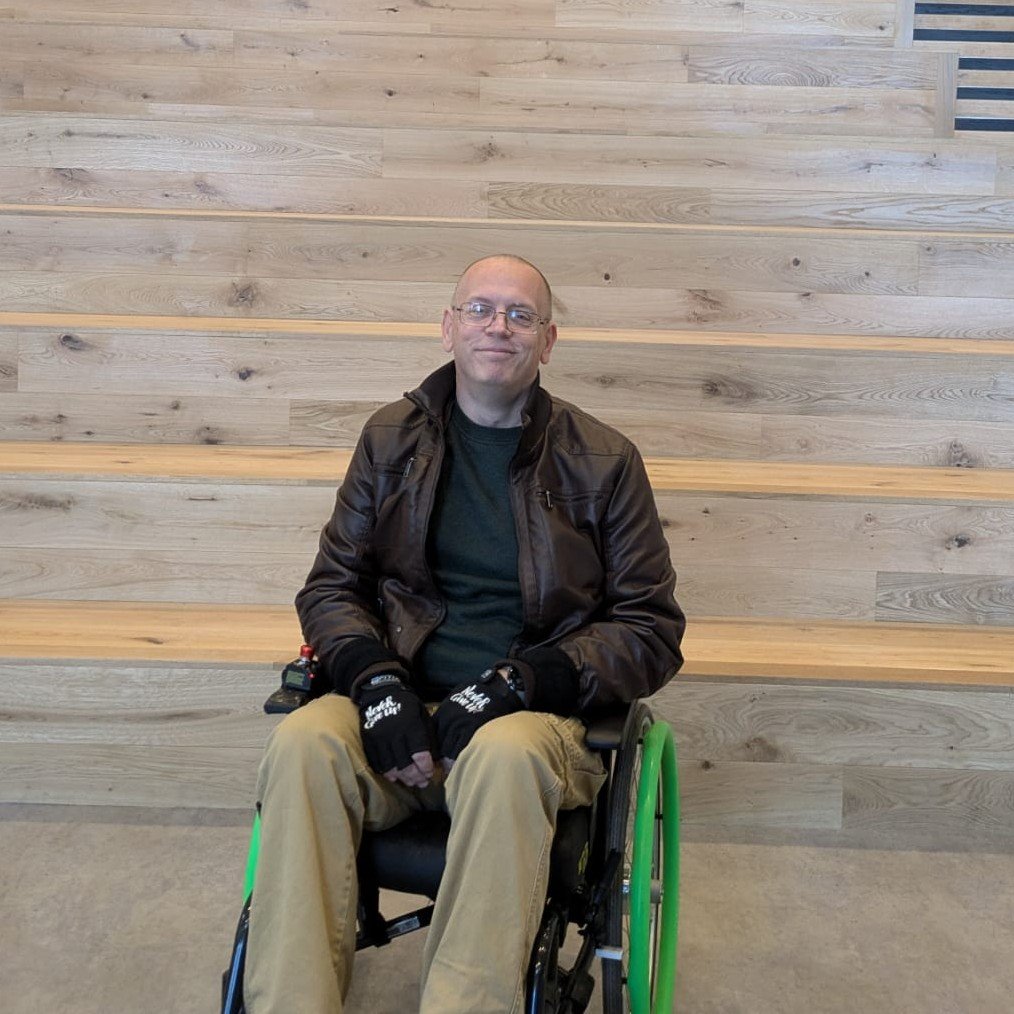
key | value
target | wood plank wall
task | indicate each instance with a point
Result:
(236, 222)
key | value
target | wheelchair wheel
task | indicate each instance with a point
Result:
(544, 970)
(639, 965)
(232, 977)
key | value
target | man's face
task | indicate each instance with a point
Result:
(493, 357)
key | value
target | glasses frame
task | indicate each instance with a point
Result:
(539, 321)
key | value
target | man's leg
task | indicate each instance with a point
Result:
(316, 792)
(503, 794)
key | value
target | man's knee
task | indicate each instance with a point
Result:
(516, 748)
(321, 732)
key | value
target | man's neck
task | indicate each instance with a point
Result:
(488, 410)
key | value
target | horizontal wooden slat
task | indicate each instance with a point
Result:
(834, 651)
(316, 465)
(841, 165)
(143, 418)
(267, 327)
(428, 251)
(716, 207)
(939, 598)
(8, 361)
(111, 775)
(175, 192)
(116, 44)
(675, 15)
(704, 309)
(90, 143)
(836, 535)
(858, 725)
(971, 803)
(851, 20)
(702, 109)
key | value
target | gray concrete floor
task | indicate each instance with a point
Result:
(133, 911)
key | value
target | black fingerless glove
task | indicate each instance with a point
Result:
(393, 721)
(469, 707)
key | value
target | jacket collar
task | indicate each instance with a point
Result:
(436, 393)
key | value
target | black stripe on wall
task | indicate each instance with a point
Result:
(960, 35)
(1000, 94)
(978, 123)
(984, 63)
(974, 10)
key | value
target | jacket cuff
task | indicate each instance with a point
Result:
(552, 682)
(359, 658)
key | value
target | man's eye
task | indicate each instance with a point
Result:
(477, 309)
(519, 316)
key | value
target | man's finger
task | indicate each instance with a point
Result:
(424, 762)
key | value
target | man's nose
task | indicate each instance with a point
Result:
(498, 326)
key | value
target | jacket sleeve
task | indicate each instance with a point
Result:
(337, 606)
(634, 649)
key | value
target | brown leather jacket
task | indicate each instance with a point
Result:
(596, 580)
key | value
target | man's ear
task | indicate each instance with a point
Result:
(551, 337)
(445, 330)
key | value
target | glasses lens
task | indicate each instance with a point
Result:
(477, 313)
(521, 319)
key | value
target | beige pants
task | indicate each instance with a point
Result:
(317, 794)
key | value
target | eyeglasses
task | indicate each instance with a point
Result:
(518, 318)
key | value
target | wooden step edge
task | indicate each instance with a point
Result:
(47, 632)
(685, 229)
(430, 331)
(323, 465)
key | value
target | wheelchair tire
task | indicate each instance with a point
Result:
(543, 993)
(642, 904)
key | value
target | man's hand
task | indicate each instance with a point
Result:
(469, 707)
(396, 731)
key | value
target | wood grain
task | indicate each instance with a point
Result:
(701, 109)
(866, 21)
(310, 465)
(938, 598)
(857, 725)
(842, 165)
(236, 191)
(975, 267)
(186, 146)
(155, 575)
(118, 775)
(824, 535)
(8, 361)
(829, 68)
(703, 206)
(778, 650)
(973, 803)
(671, 15)
(143, 418)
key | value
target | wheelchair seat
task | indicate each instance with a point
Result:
(410, 856)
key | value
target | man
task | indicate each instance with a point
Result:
(495, 550)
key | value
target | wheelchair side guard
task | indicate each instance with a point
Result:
(652, 970)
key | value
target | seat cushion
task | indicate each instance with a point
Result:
(410, 856)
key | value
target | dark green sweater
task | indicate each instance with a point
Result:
(473, 554)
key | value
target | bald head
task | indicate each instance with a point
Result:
(543, 293)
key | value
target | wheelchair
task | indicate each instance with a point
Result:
(614, 873)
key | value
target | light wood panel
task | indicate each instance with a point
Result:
(840, 165)
(856, 725)
(814, 17)
(979, 267)
(143, 418)
(93, 143)
(428, 251)
(704, 309)
(783, 533)
(703, 109)
(8, 361)
(235, 191)
(700, 206)
(938, 598)
(878, 653)
(959, 802)
(158, 575)
(673, 15)
(316, 465)
(163, 327)
(95, 774)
